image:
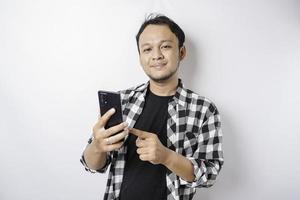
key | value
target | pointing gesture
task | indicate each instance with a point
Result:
(149, 147)
(141, 134)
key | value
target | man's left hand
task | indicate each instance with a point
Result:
(150, 148)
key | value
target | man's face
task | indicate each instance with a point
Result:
(159, 53)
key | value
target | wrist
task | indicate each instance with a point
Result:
(168, 158)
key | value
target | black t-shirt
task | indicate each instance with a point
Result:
(142, 179)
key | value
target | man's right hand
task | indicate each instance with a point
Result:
(106, 140)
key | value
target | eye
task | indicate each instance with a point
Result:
(146, 50)
(166, 46)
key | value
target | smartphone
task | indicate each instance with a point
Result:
(108, 100)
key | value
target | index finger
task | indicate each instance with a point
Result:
(139, 133)
(104, 118)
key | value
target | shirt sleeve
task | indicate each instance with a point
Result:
(103, 169)
(208, 157)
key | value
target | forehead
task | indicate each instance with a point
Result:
(157, 33)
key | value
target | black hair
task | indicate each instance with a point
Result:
(159, 19)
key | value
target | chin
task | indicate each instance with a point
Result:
(161, 79)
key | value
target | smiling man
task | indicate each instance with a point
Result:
(173, 138)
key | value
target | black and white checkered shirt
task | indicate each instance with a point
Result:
(193, 130)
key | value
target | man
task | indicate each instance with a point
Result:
(172, 135)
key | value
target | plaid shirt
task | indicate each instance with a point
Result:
(193, 130)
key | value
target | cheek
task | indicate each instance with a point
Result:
(174, 58)
(173, 55)
(143, 60)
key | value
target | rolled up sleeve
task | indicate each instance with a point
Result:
(207, 159)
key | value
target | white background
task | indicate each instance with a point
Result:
(55, 55)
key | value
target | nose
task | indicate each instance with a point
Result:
(157, 54)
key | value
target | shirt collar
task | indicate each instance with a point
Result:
(181, 94)
(179, 97)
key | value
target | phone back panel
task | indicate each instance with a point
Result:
(108, 100)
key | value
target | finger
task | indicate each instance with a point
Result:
(141, 151)
(115, 138)
(104, 118)
(115, 129)
(139, 133)
(140, 143)
(144, 157)
(112, 147)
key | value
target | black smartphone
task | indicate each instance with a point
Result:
(108, 100)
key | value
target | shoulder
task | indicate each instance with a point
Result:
(198, 102)
(127, 93)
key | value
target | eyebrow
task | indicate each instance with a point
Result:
(160, 42)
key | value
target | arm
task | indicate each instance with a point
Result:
(180, 165)
(207, 159)
(93, 158)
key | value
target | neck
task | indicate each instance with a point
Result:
(167, 88)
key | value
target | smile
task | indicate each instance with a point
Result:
(159, 65)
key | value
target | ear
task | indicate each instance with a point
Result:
(182, 52)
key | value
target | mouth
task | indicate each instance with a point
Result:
(158, 65)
